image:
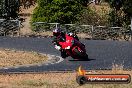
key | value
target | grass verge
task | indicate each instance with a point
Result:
(16, 58)
(56, 80)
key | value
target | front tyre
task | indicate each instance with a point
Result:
(64, 54)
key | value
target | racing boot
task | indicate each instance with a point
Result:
(64, 54)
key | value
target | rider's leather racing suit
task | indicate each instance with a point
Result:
(61, 38)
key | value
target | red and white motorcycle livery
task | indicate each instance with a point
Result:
(74, 48)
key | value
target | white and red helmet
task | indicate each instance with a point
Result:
(56, 32)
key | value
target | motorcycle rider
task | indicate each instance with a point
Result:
(59, 36)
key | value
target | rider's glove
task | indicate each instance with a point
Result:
(57, 47)
(70, 34)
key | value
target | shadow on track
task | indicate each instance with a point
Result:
(82, 59)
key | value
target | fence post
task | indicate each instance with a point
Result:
(131, 28)
(92, 31)
(19, 27)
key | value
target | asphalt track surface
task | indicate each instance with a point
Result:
(102, 53)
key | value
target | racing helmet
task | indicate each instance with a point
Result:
(56, 32)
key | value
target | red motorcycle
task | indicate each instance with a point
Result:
(74, 48)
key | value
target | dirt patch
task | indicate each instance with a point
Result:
(55, 80)
(102, 9)
(16, 58)
(26, 14)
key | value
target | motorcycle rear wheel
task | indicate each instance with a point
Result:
(81, 55)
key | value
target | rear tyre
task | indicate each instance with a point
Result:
(86, 57)
(81, 55)
(78, 52)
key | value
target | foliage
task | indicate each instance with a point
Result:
(127, 8)
(91, 17)
(83, 2)
(1, 8)
(121, 12)
(9, 8)
(116, 4)
(61, 11)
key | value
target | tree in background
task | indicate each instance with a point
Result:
(9, 9)
(27, 3)
(116, 17)
(121, 12)
(61, 11)
(1, 7)
(127, 8)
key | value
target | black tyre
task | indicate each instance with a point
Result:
(81, 80)
(83, 56)
(78, 52)
(64, 54)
